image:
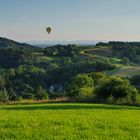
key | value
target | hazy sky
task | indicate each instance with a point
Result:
(70, 19)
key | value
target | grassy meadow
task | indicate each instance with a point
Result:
(65, 121)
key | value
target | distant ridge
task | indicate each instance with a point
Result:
(8, 43)
(52, 43)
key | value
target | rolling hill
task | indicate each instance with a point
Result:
(8, 43)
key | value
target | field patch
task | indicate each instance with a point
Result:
(100, 51)
(125, 71)
(69, 121)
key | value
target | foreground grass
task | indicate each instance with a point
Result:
(69, 122)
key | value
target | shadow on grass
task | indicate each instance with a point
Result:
(68, 107)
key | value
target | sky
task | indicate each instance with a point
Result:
(26, 20)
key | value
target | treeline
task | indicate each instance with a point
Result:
(61, 50)
(98, 87)
(90, 87)
(129, 50)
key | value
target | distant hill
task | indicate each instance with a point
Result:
(7, 43)
(44, 44)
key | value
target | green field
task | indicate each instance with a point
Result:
(125, 71)
(69, 122)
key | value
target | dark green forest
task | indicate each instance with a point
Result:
(81, 73)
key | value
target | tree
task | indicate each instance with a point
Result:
(98, 77)
(41, 94)
(3, 96)
(27, 95)
(12, 94)
(117, 88)
(2, 83)
(81, 86)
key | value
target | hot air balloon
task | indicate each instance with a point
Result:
(48, 29)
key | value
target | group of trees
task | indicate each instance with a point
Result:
(129, 50)
(61, 50)
(80, 87)
(101, 88)
(28, 72)
(24, 70)
(24, 82)
(16, 89)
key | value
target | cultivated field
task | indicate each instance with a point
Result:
(125, 71)
(69, 122)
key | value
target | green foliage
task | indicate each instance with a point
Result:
(129, 50)
(98, 77)
(124, 60)
(126, 49)
(135, 80)
(111, 100)
(41, 93)
(118, 88)
(2, 83)
(27, 72)
(3, 96)
(12, 95)
(60, 50)
(81, 86)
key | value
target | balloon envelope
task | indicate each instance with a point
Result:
(48, 29)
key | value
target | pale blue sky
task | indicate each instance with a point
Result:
(70, 19)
